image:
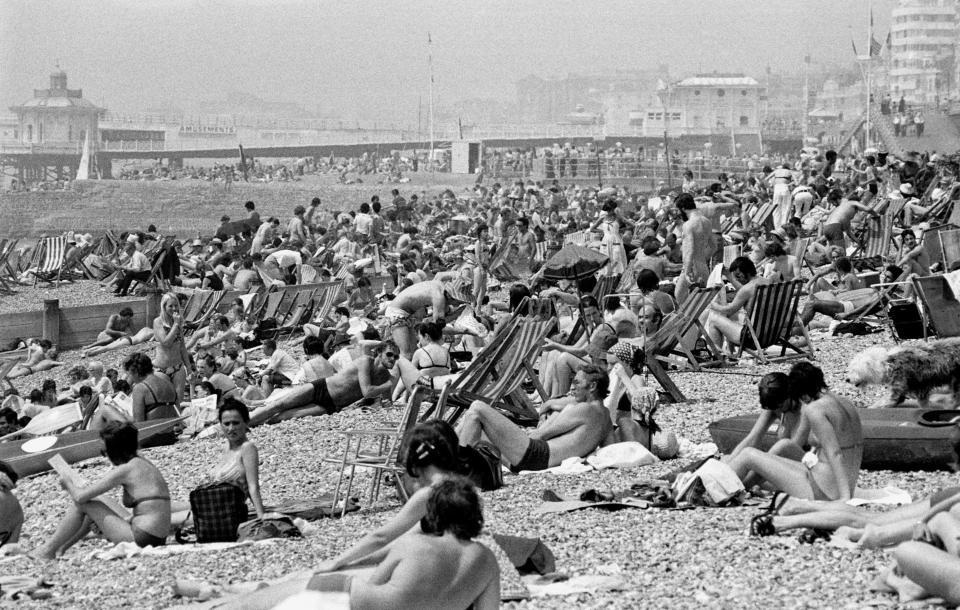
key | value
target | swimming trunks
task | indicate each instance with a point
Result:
(321, 396)
(399, 318)
(536, 457)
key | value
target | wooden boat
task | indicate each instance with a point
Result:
(894, 439)
(78, 446)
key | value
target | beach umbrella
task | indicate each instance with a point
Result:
(573, 263)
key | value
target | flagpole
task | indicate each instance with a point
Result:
(430, 103)
(866, 139)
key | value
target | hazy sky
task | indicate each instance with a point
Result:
(368, 59)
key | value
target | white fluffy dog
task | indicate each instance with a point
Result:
(914, 370)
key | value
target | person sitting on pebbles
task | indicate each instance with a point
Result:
(574, 426)
(144, 490)
(119, 325)
(829, 471)
(11, 513)
(367, 377)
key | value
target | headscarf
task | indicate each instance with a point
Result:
(624, 352)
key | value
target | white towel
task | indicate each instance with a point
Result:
(887, 495)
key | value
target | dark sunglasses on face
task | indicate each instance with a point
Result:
(389, 354)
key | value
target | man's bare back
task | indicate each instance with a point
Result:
(418, 297)
(423, 572)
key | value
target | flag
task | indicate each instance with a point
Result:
(853, 44)
(875, 47)
(889, 42)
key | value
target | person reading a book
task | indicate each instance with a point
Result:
(144, 491)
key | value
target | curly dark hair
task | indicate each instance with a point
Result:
(431, 443)
(453, 506)
(139, 363)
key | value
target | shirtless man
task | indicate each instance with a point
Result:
(838, 221)
(720, 324)
(434, 566)
(409, 308)
(118, 325)
(365, 377)
(828, 302)
(914, 261)
(581, 423)
(698, 246)
(526, 243)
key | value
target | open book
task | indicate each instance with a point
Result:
(67, 473)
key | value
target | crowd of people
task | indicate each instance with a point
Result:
(459, 269)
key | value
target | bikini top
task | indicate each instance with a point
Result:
(156, 404)
(433, 363)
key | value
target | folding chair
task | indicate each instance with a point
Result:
(6, 248)
(876, 239)
(209, 309)
(770, 322)
(940, 305)
(378, 449)
(194, 307)
(606, 284)
(949, 247)
(497, 371)
(156, 279)
(49, 256)
(930, 241)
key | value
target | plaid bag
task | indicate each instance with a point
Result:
(218, 511)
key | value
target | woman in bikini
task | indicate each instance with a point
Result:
(154, 396)
(119, 325)
(171, 357)
(239, 464)
(829, 470)
(41, 356)
(144, 490)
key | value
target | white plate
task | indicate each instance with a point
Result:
(41, 443)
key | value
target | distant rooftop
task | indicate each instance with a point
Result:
(718, 80)
(57, 96)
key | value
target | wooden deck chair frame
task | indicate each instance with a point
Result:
(299, 310)
(156, 279)
(771, 319)
(877, 238)
(379, 449)
(930, 241)
(940, 306)
(514, 348)
(210, 308)
(606, 284)
(194, 307)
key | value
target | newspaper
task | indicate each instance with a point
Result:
(67, 473)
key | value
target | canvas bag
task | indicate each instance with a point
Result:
(718, 481)
(218, 511)
(481, 464)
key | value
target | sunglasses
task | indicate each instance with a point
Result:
(390, 354)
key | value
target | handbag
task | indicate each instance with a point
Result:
(481, 464)
(218, 510)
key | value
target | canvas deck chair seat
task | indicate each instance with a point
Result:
(932, 244)
(7, 277)
(876, 239)
(949, 247)
(770, 322)
(498, 371)
(606, 285)
(210, 308)
(48, 259)
(940, 305)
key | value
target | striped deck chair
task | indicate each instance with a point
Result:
(49, 256)
(941, 306)
(762, 213)
(876, 239)
(210, 308)
(930, 241)
(325, 299)
(606, 284)
(296, 314)
(194, 307)
(895, 209)
(683, 327)
(730, 253)
(799, 255)
(6, 274)
(496, 372)
(770, 322)
(579, 238)
(540, 253)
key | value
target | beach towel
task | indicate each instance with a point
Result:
(544, 586)
(126, 550)
(891, 496)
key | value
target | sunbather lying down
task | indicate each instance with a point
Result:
(365, 377)
(142, 336)
(434, 565)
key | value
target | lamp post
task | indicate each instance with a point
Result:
(663, 92)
